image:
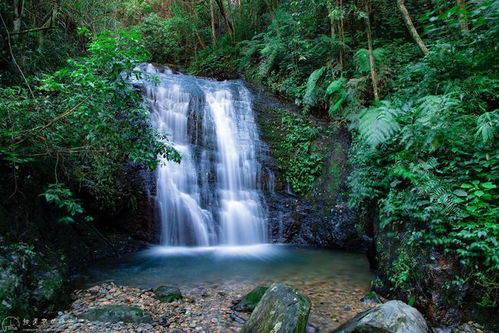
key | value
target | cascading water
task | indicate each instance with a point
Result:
(212, 197)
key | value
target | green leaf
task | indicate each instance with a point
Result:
(460, 193)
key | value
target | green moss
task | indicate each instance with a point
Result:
(167, 294)
(293, 144)
(250, 301)
(281, 309)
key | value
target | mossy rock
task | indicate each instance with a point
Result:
(167, 294)
(118, 313)
(29, 286)
(250, 301)
(282, 309)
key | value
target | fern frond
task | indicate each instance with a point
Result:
(335, 86)
(311, 96)
(379, 124)
(361, 59)
(486, 126)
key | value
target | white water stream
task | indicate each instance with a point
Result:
(213, 196)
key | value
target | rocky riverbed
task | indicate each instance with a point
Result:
(206, 308)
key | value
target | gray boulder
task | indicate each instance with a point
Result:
(118, 313)
(282, 309)
(391, 317)
(250, 301)
(167, 294)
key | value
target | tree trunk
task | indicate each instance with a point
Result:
(341, 33)
(49, 24)
(332, 21)
(464, 25)
(213, 31)
(372, 64)
(228, 24)
(412, 29)
(17, 18)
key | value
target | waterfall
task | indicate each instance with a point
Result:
(213, 196)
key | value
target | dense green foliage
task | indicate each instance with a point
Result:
(82, 123)
(427, 155)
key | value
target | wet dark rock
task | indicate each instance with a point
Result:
(250, 301)
(167, 294)
(391, 317)
(118, 313)
(311, 329)
(237, 318)
(282, 309)
(139, 221)
(29, 286)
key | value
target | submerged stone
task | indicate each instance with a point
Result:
(117, 313)
(250, 301)
(391, 317)
(167, 293)
(282, 309)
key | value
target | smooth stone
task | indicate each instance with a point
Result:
(391, 317)
(282, 309)
(118, 313)
(167, 294)
(250, 301)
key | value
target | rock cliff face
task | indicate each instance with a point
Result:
(138, 219)
(320, 218)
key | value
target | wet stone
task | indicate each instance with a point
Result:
(167, 294)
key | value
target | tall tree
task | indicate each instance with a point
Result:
(412, 29)
(462, 6)
(18, 12)
(372, 64)
(227, 21)
(212, 17)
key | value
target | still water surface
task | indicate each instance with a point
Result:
(189, 267)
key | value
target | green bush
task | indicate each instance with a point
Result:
(84, 122)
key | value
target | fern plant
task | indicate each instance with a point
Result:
(312, 91)
(378, 124)
(486, 126)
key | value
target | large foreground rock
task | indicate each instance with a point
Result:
(282, 309)
(251, 300)
(118, 313)
(391, 317)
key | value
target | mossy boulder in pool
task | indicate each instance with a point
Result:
(167, 294)
(282, 309)
(391, 317)
(118, 313)
(250, 301)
